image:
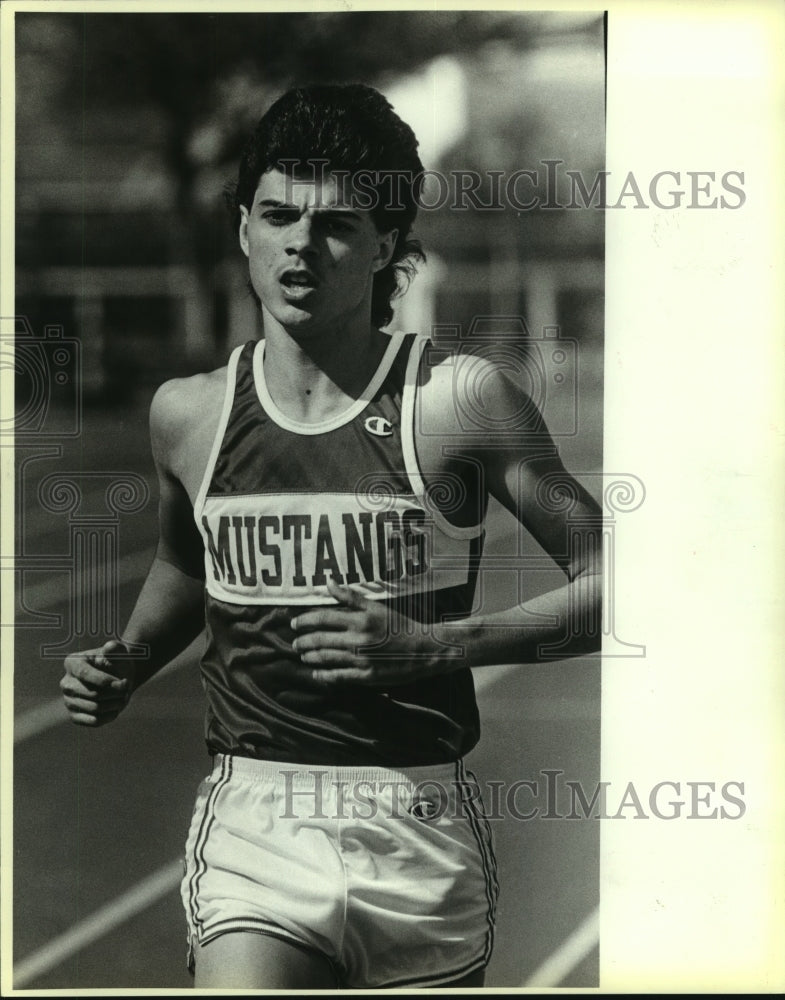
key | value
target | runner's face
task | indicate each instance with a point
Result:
(311, 257)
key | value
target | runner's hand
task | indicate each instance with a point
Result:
(97, 683)
(358, 640)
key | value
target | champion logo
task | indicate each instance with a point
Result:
(424, 809)
(379, 426)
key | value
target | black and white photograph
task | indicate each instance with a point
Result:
(390, 538)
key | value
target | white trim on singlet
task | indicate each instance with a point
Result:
(231, 384)
(323, 426)
(410, 451)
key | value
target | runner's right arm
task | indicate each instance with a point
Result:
(169, 612)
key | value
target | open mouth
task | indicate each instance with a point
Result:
(298, 280)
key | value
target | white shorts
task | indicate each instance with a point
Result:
(388, 873)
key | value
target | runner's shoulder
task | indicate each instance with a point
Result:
(478, 389)
(182, 407)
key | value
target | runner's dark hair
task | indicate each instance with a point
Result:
(351, 128)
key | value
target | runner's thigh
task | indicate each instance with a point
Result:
(248, 960)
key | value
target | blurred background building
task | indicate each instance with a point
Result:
(130, 125)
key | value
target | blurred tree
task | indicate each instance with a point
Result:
(178, 62)
(203, 79)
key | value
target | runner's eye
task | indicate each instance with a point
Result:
(279, 217)
(335, 224)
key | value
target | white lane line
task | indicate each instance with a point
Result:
(570, 953)
(99, 923)
(37, 720)
(586, 936)
(166, 879)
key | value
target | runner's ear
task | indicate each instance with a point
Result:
(244, 229)
(386, 248)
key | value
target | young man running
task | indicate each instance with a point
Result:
(321, 512)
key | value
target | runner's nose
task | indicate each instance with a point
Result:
(301, 239)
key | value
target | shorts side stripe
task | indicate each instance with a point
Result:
(208, 818)
(485, 826)
(482, 836)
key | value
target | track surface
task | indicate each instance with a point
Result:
(100, 816)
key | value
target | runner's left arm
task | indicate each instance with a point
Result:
(525, 473)
(526, 476)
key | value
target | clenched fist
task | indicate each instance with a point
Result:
(98, 683)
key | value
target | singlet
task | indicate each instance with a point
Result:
(282, 506)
